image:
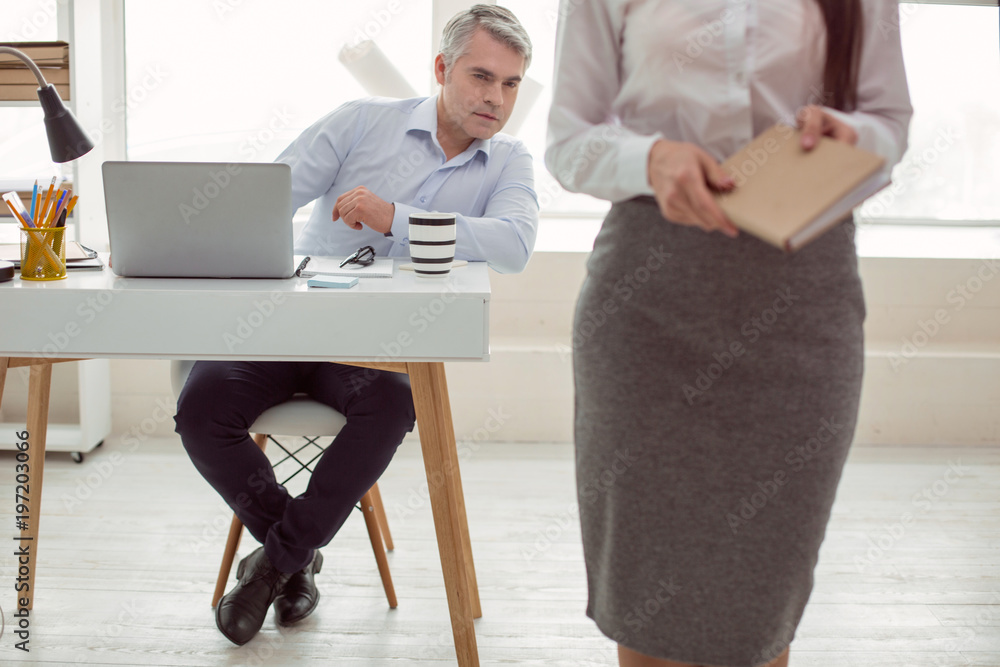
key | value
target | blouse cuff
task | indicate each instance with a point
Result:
(633, 160)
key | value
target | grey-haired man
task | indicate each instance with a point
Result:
(368, 165)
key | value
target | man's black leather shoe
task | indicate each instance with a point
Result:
(300, 596)
(240, 612)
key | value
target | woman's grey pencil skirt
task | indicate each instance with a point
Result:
(717, 384)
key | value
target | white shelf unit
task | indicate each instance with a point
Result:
(93, 385)
(93, 377)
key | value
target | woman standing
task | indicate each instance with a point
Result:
(717, 378)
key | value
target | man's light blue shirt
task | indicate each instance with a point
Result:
(391, 147)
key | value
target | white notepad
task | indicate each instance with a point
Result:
(330, 266)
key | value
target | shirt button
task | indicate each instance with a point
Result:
(423, 200)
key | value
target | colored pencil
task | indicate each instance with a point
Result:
(48, 197)
(72, 203)
(63, 201)
(34, 195)
(54, 213)
(10, 198)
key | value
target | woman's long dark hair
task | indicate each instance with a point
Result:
(844, 31)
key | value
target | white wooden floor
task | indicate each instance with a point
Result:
(131, 543)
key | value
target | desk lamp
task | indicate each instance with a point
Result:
(67, 140)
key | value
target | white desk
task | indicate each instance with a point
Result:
(404, 324)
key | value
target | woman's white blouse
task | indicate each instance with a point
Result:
(711, 72)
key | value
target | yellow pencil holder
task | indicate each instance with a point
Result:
(43, 253)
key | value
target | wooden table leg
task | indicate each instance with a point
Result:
(451, 449)
(4, 362)
(39, 383)
(437, 435)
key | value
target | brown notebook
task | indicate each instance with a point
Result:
(787, 196)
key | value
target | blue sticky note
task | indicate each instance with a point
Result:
(332, 281)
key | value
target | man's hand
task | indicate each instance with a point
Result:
(681, 174)
(815, 122)
(359, 207)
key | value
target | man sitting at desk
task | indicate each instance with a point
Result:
(369, 164)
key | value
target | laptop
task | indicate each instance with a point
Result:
(199, 219)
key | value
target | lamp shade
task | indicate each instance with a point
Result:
(67, 140)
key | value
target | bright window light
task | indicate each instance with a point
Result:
(948, 174)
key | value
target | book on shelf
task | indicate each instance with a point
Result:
(23, 189)
(788, 196)
(18, 83)
(45, 54)
(24, 76)
(28, 92)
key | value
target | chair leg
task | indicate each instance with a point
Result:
(233, 540)
(232, 544)
(375, 535)
(383, 522)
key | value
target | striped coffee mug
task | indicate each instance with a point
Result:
(432, 243)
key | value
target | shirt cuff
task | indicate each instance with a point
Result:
(868, 138)
(400, 229)
(634, 163)
(842, 116)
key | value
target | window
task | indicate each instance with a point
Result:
(239, 81)
(24, 150)
(948, 172)
(232, 80)
(245, 78)
(539, 19)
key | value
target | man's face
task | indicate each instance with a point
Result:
(479, 91)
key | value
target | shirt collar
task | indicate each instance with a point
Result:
(424, 118)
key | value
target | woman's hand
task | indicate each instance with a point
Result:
(681, 175)
(815, 122)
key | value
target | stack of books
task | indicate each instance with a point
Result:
(16, 80)
(25, 192)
